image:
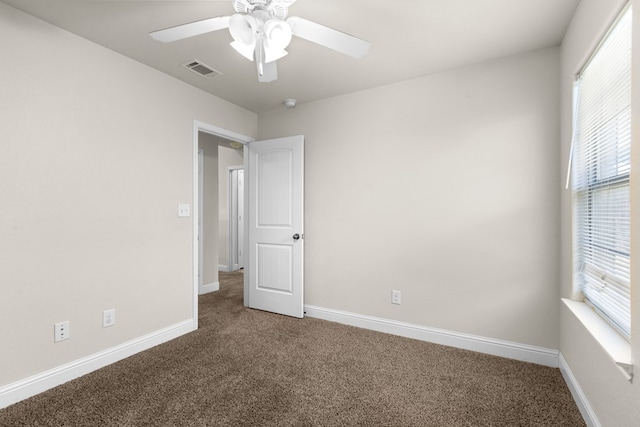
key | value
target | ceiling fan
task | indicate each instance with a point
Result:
(261, 31)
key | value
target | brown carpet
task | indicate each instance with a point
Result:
(250, 368)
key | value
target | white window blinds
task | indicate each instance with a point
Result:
(600, 177)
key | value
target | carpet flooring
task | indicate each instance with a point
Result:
(245, 367)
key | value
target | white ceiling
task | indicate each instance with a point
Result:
(409, 38)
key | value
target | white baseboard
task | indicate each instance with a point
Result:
(28, 387)
(580, 398)
(511, 350)
(210, 287)
(223, 268)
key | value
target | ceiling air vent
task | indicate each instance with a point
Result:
(201, 69)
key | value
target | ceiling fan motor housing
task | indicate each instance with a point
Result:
(276, 8)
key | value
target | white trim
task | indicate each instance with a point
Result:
(28, 387)
(200, 218)
(616, 347)
(580, 398)
(230, 240)
(245, 289)
(210, 287)
(199, 126)
(511, 350)
(223, 268)
(223, 133)
(195, 254)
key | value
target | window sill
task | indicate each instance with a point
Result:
(611, 341)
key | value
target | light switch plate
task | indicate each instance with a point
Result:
(184, 210)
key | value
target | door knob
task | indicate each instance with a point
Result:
(296, 236)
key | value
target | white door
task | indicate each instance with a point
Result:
(274, 180)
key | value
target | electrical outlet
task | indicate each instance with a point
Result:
(395, 297)
(61, 331)
(108, 318)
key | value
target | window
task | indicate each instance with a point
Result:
(600, 177)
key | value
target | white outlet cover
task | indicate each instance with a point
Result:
(396, 297)
(108, 318)
(61, 331)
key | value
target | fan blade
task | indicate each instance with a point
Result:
(269, 72)
(192, 29)
(328, 37)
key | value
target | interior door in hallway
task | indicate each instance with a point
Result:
(236, 218)
(274, 173)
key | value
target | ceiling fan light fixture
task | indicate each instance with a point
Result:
(277, 36)
(262, 32)
(278, 33)
(243, 28)
(273, 54)
(245, 50)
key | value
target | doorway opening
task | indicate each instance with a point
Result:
(220, 209)
(214, 151)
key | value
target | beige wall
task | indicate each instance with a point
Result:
(444, 187)
(226, 157)
(613, 398)
(95, 155)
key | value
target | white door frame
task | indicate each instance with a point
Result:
(232, 244)
(199, 126)
(198, 219)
